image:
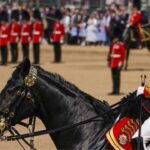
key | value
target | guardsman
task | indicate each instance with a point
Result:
(15, 29)
(25, 33)
(116, 59)
(57, 36)
(37, 35)
(135, 23)
(4, 36)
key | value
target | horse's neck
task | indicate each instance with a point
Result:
(57, 110)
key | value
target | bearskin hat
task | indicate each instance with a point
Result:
(15, 15)
(117, 34)
(36, 14)
(58, 14)
(25, 15)
(4, 16)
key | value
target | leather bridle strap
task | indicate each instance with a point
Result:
(63, 128)
(14, 132)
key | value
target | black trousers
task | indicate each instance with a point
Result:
(57, 51)
(116, 72)
(4, 54)
(14, 52)
(25, 50)
(36, 53)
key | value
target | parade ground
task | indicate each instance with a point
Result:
(86, 67)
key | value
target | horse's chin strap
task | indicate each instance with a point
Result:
(31, 127)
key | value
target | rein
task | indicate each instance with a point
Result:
(63, 128)
(29, 81)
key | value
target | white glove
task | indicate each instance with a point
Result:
(140, 91)
(128, 25)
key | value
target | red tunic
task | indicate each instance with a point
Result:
(116, 54)
(4, 34)
(25, 33)
(58, 32)
(15, 32)
(38, 32)
(136, 18)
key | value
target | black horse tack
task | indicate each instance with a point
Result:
(62, 107)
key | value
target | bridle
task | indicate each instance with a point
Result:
(23, 94)
(29, 82)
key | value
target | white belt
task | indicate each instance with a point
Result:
(3, 35)
(14, 34)
(115, 55)
(24, 33)
(36, 32)
(57, 32)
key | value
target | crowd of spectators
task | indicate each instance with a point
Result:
(82, 26)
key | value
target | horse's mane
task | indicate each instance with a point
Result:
(74, 90)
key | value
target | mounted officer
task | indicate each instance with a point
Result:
(124, 135)
(135, 24)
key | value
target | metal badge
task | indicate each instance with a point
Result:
(30, 79)
(123, 139)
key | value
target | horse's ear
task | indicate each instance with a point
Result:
(25, 67)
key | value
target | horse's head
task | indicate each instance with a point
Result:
(16, 101)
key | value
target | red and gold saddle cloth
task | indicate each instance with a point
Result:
(120, 135)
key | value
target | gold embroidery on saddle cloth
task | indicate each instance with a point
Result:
(120, 135)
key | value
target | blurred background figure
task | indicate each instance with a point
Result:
(37, 35)
(116, 57)
(25, 33)
(91, 30)
(57, 36)
(66, 20)
(15, 30)
(48, 22)
(4, 36)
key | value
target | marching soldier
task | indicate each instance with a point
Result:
(14, 35)
(37, 35)
(25, 33)
(116, 58)
(4, 36)
(57, 36)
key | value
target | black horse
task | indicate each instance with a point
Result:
(31, 91)
(133, 44)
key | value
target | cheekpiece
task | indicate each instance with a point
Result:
(31, 78)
